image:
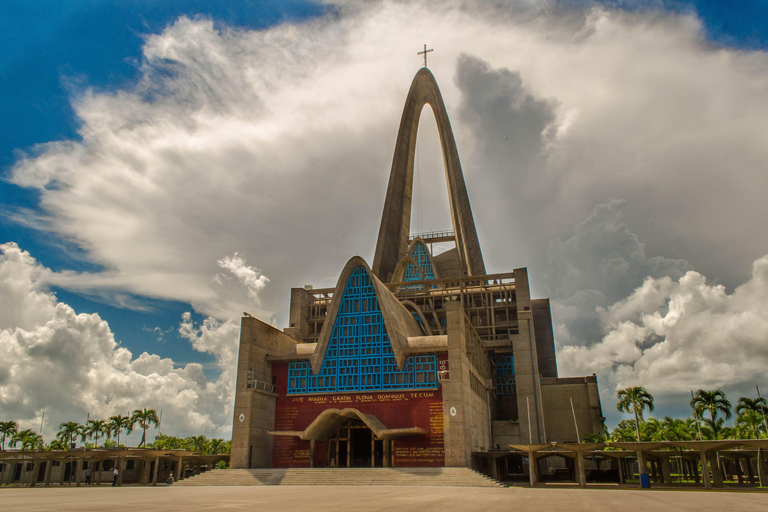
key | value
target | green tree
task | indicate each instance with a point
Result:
(712, 402)
(624, 432)
(217, 446)
(28, 439)
(751, 411)
(144, 418)
(58, 444)
(198, 444)
(67, 432)
(118, 423)
(634, 400)
(96, 428)
(7, 429)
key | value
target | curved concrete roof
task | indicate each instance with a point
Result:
(398, 321)
(328, 422)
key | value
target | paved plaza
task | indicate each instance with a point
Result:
(342, 498)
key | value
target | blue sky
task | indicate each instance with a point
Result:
(52, 51)
(62, 61)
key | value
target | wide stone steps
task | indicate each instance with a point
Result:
(450, 477)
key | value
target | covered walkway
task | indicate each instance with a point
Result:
(704, 464)
(142, 466)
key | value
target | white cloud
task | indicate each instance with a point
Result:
(675, 335)
(277, 143)
(251, 277)
(66, 364)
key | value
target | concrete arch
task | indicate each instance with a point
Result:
(398, 321)
(392, 242)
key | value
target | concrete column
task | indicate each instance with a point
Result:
(312, 453)
(157, 469)
(62, 468)
(761, 473)
(666, 472)
(750, 471)
(48, 472)
(178, 469)
(641, 465)
(716, 471)
(78, 471)
(620, 463)
(581, 474)
(99, 471)
(35, 470)
(387, 453)
(120, 470)
(146, 465)
(533, 469)
(737, 471)
(705, 470)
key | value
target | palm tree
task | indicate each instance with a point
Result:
(220, 446)
(7, 429)
(711, 402)
(118, 423)
(753, 405)
(27, 438)
(67, 431)
(750, 423)
(635, 400)
(96, 428)
(144, 417)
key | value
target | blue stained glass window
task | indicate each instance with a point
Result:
(419, 253)
(359, 356)
(505, 374)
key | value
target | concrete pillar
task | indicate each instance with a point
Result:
(705, 470)
(620, 463)
(641, 465)
(120, 470)
(761, 472)
(35, 471)
(737, 471)
(716, 471)
(78, 471)
(178, 469)
(581, 474)
(62, 468)
(146, 465)
(387, 453)
(750, 471)
(533, 469)
(312, 453)
(99, 470)
(48, 472)
(666, 472)
(157, 469)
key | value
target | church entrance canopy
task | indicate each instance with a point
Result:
(354, 438)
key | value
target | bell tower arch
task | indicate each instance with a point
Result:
(393, 242)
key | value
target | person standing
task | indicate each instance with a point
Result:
(88, 473)
(115, 472)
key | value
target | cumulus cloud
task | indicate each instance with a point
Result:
(267, 142)
(601, 263)
(674, 335)
(250, 277)
(66, 364)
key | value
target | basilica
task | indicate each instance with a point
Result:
(414, 359)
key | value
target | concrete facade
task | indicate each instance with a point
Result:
(491, 347)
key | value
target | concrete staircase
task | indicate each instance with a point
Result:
(447, 477)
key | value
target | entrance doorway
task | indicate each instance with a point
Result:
(354, 446)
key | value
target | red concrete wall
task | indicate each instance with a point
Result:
(395, 409)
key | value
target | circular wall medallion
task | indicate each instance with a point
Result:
(453, 411)
(242, 417)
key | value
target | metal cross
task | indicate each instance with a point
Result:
(425, 52)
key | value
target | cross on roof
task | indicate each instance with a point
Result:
(425, 52)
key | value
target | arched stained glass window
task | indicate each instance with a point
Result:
(419, 253)
(359, 356)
